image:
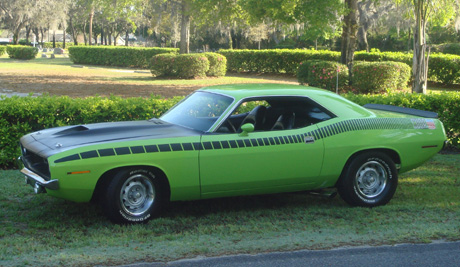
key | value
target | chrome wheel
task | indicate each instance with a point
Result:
(137, 195)
(371, 179)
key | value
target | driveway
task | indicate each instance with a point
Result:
(444, 254)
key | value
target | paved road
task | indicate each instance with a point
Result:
(434, 254)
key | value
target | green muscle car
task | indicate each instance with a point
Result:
(232, 140)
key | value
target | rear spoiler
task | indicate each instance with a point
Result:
(409, 111)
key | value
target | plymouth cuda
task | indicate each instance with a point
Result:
(232, 140)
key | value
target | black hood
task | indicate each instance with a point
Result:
(70, 136)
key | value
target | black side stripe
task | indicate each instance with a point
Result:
(317, 134)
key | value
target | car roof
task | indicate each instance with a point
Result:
(335, 103)
(262, 89)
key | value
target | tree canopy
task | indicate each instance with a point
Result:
(203, 25)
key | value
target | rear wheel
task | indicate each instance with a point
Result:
(133, 196)
(370, 179)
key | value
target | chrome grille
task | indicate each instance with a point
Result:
(35, 163)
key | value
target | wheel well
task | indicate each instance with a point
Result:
(389, 152)
(105, 179)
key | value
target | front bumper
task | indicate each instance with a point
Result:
(38, 183)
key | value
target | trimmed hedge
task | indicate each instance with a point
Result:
(322, 74)
(135, 57)
(384, 56)
(217, 64)
(163, 65)
(442, 68)
(188, 66)
(273, 60)
(376, 77)
(452, 48)
(19, 116)
(2, 50)
(22, 115)
(21, 52)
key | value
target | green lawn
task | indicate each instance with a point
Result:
(40, 230)
(62, 66)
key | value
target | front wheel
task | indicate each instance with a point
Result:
(133, 196)
(370, 179)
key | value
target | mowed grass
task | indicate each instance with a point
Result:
(37, 230)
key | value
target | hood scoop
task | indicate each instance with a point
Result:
(75, 129)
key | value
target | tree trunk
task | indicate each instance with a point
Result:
(73, 32)
(126, 38)
(16, 36)
(364, 8)
(420, 61)
(115, 38)
(37, 34)
(350, 30)
(91, 16)
(27, 33)
(54, 38)
(102, 34)
(63, 37)
(362, 33)
(43, 35)
(185, 30)
(229, 36)
(85, 37)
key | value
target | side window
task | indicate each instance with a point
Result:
(275, 113)
(251, 111)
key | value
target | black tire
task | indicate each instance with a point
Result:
(369, 179)
(134, 195)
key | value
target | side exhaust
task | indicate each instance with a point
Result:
(330, 194)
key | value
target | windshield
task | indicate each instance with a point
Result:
(198, 111)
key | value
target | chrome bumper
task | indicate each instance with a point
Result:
(38, 183)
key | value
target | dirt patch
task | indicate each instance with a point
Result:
(83, 85)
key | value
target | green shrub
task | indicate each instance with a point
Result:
(273, 60)
(445, 104)
(2, 50)
(453, 48)
(322, 74)
(376, 56)
(191, 66)
(22, 115)
(181, 66)
(376, 77)
(21, 52)
(444, 68)
(135, 57)
(162, 65)
(217, 64)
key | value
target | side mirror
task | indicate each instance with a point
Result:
(247, 128)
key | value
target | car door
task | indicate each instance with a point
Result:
(261, 162)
